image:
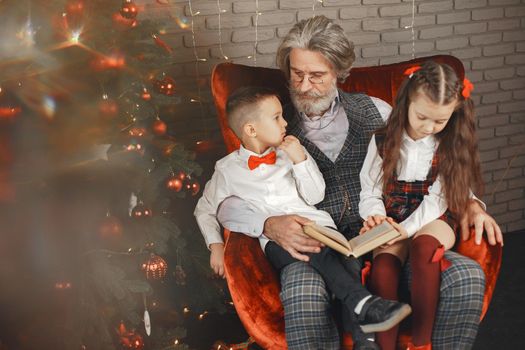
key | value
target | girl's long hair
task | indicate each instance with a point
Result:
(459, 164)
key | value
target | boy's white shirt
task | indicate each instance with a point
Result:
(277, 189)
(239, 216)
(414, 165)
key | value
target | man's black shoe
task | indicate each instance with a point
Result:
(366, 345)
(378, 314)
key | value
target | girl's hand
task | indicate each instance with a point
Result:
(293, 149)
(371, 221)
(398, 227)
(217, 258)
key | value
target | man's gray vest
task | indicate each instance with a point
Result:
(342, 177)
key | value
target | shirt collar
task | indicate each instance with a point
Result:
(429, 141)
(244, 153)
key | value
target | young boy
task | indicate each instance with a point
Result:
(274, 173)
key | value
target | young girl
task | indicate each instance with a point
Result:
(417, 174)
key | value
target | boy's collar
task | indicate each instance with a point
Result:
(246, 153)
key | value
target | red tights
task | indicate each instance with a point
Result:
(426, 275)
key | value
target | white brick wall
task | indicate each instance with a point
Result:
(487, 35)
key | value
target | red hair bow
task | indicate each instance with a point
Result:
(467, 88)
(410, 71)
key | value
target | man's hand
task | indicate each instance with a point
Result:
(217, 258)
(477, 217)
(293, 149)
(287, 231)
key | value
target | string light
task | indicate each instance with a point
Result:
(411, 27)
(74, 37)
(192, 26)
(201, 316)
(314, 2)
(257, 14)
(220, 10)
(197, 60)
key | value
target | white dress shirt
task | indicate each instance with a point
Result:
(277, 189)
(414, 164)
(238, 216)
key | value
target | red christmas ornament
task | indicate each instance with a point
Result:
(181, 175)
(114, 60)
(137, 131)
(174, 184)
(74, 6)
(73, 17)
(130, 339)
(9, 112)
(194, 187)
(155, 267)
(129, 10)
(134, 146)
(122, 23)
(110, 227)
(140, 211)
(159, 127)
(146, 96)
(108, 107)
(203, 146)
(166, 86)
(63, 285)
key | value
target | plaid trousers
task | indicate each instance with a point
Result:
(309, 324)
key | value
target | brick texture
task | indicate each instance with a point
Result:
(487, 35)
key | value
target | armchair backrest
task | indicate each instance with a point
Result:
(378, 81)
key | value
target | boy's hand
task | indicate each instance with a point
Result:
(293, 149)
(371, 221)
(217, 258)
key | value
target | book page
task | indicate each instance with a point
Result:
(372, 239)
(332, 234)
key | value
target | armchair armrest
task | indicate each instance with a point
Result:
(254, 286)
(488, 257)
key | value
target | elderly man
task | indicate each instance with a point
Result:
(335, 127)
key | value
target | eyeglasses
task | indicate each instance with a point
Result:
(298, 77)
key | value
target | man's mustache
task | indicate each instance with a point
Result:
(307, 94)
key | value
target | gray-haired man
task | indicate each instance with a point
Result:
(335, 127)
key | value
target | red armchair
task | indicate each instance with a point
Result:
(253, 283)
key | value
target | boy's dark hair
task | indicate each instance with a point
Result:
(240, 105)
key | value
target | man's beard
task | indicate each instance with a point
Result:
(313, 103)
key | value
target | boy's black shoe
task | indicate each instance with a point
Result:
(378, 314)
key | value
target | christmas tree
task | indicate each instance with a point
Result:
(97, 81)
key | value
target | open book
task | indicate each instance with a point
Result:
(357, 246)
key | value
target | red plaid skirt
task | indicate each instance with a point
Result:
(403, 198)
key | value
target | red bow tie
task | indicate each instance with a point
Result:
(254, 161)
